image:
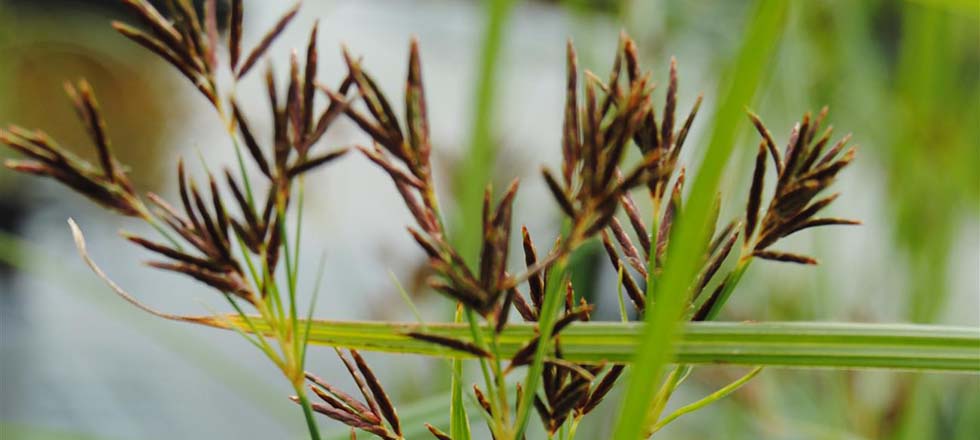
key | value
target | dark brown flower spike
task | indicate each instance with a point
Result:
(344, 408)
(801, 177)
(404, 156)
(185, 43)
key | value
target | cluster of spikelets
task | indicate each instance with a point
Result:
(202, 234)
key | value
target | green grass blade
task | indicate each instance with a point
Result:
(476, 170)
(762, 33)
(772, 344)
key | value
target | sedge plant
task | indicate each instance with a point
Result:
(245, 244)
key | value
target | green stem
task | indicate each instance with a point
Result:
(549, 311)
(711, 398)
(478, 340)
(307, 413)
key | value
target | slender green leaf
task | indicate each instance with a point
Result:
(737, 89)
(780, 344)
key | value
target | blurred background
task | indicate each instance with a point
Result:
(903, 76)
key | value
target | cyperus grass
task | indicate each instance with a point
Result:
(247, 246)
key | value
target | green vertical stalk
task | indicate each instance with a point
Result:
(308, 413)
(477, 167)
(657, 344)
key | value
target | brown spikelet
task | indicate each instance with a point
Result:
(503, 312)
(384, 403)
(359, 380)
(823, 222)
(686, 128)
(755, 192)
(246, 209)
(667, 126)
(250, 143)
(235, 32)
(158, 47)
(159, 25)
(173, 253)
(378, 156)
(359, 408)
(834, 151)
(220, 214)
(526, 311)
(785, 257)
(309, 86)
(219, 280)
(389, 132)
(603, 388)
(88, 111)
(535, 281)
(185, 197)
(629, 250)
(316, 161)
(294, 99)
(636, 221)
(709, 304)
(570, 133)
(267, 40)
(556, 190)
(439, 435)
(636, 296)
(770, 143)
(211, 30)
(717, 258)
(451, 343)
(416, 113)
